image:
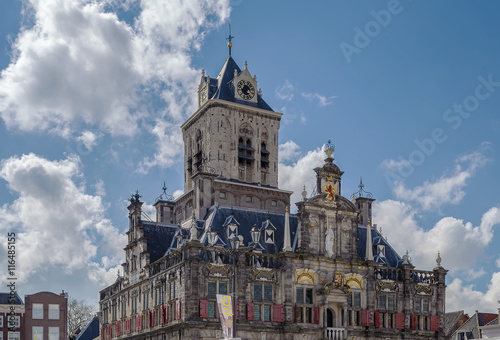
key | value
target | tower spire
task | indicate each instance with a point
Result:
(229, 39)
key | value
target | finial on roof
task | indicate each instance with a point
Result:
(329, 149)
(304, 193)
(260, 92)
(229, 39)
(202, 72)
(361, 192)
(438, 260)
(246, 64)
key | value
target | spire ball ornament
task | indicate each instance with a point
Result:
(329, 149)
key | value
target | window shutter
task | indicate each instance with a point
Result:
(165, 313)
(237, 310)
(435, 323)
(117, 328)
(178, 309)
(102, 332)
(127, 325)
(152, 318)
(108, 331)
(400, 321)
(377, 319)
(250, 307)
(162, 314)
(413, 321)
(316, 315)
(203, 309)
(278, 313)
(365, 318)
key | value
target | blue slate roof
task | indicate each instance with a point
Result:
(160, 236)
(91, 331)
(391, 258)
(247, 218)
(222, 90)
(4, 299)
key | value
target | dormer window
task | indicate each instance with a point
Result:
(381, 250)
(269, 236)
(232, 230)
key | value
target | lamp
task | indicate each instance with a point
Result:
(255, 233)
(211, 236)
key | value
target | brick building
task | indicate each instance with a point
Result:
(46, 316)
(11, 317)
(325, 272)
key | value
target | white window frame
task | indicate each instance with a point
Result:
(52, 309)
(14, 336)
(1, 323)
(17, 323)
(36, 308)
(54, 335)
(38, 336)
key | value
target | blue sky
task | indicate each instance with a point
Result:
(92, 95)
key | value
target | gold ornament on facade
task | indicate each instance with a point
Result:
(353, 280)
(218, 270)
(330, 192)
(421, 289)
(305, 276)
(387, 286)
(329, 178)
(263, 274)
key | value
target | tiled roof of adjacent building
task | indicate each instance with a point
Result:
(4, 299)
(471, 326)
(453, 320)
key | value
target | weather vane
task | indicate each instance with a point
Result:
(229, 39)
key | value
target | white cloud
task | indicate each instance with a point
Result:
(460, 296)
(99, 187)
(299, 174)
(79, 66)
(286, 91)
(59, 227)
(461, 244)
(288, 151)
(88, 139)
(447, 189)
(322, 100)
(498, 263)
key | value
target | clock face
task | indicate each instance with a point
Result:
(246, 89)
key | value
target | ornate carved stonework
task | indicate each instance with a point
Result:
(305, 276)
(218, 270)
(263, 274)
(421, 289)
(387, 286)
(353, 280)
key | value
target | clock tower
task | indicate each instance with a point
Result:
(232, 140)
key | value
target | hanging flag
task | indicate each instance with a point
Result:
(226, 315)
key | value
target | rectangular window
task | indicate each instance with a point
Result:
(223, 195)
(38, 311)
(134, 305)
(309, 296)
(299, 314)
(416, 305)
(14, 336)
(1, 323)
(300, 295)
(256, 312)
(425, 305)
(53, 311)
(124, 308)
(1, 335)
(389, 321)
(212, 289)
(390, 302)
(53, 333)
(268, 293)
(357, 299)
(381, 302)
(308, 316)
(274, 203)
(267, 313)
(257, 293)
(223, 288)
(211, 309)
(14, 322)
(173, 290)
(37, 332)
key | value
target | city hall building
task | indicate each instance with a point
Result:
(325, 272)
